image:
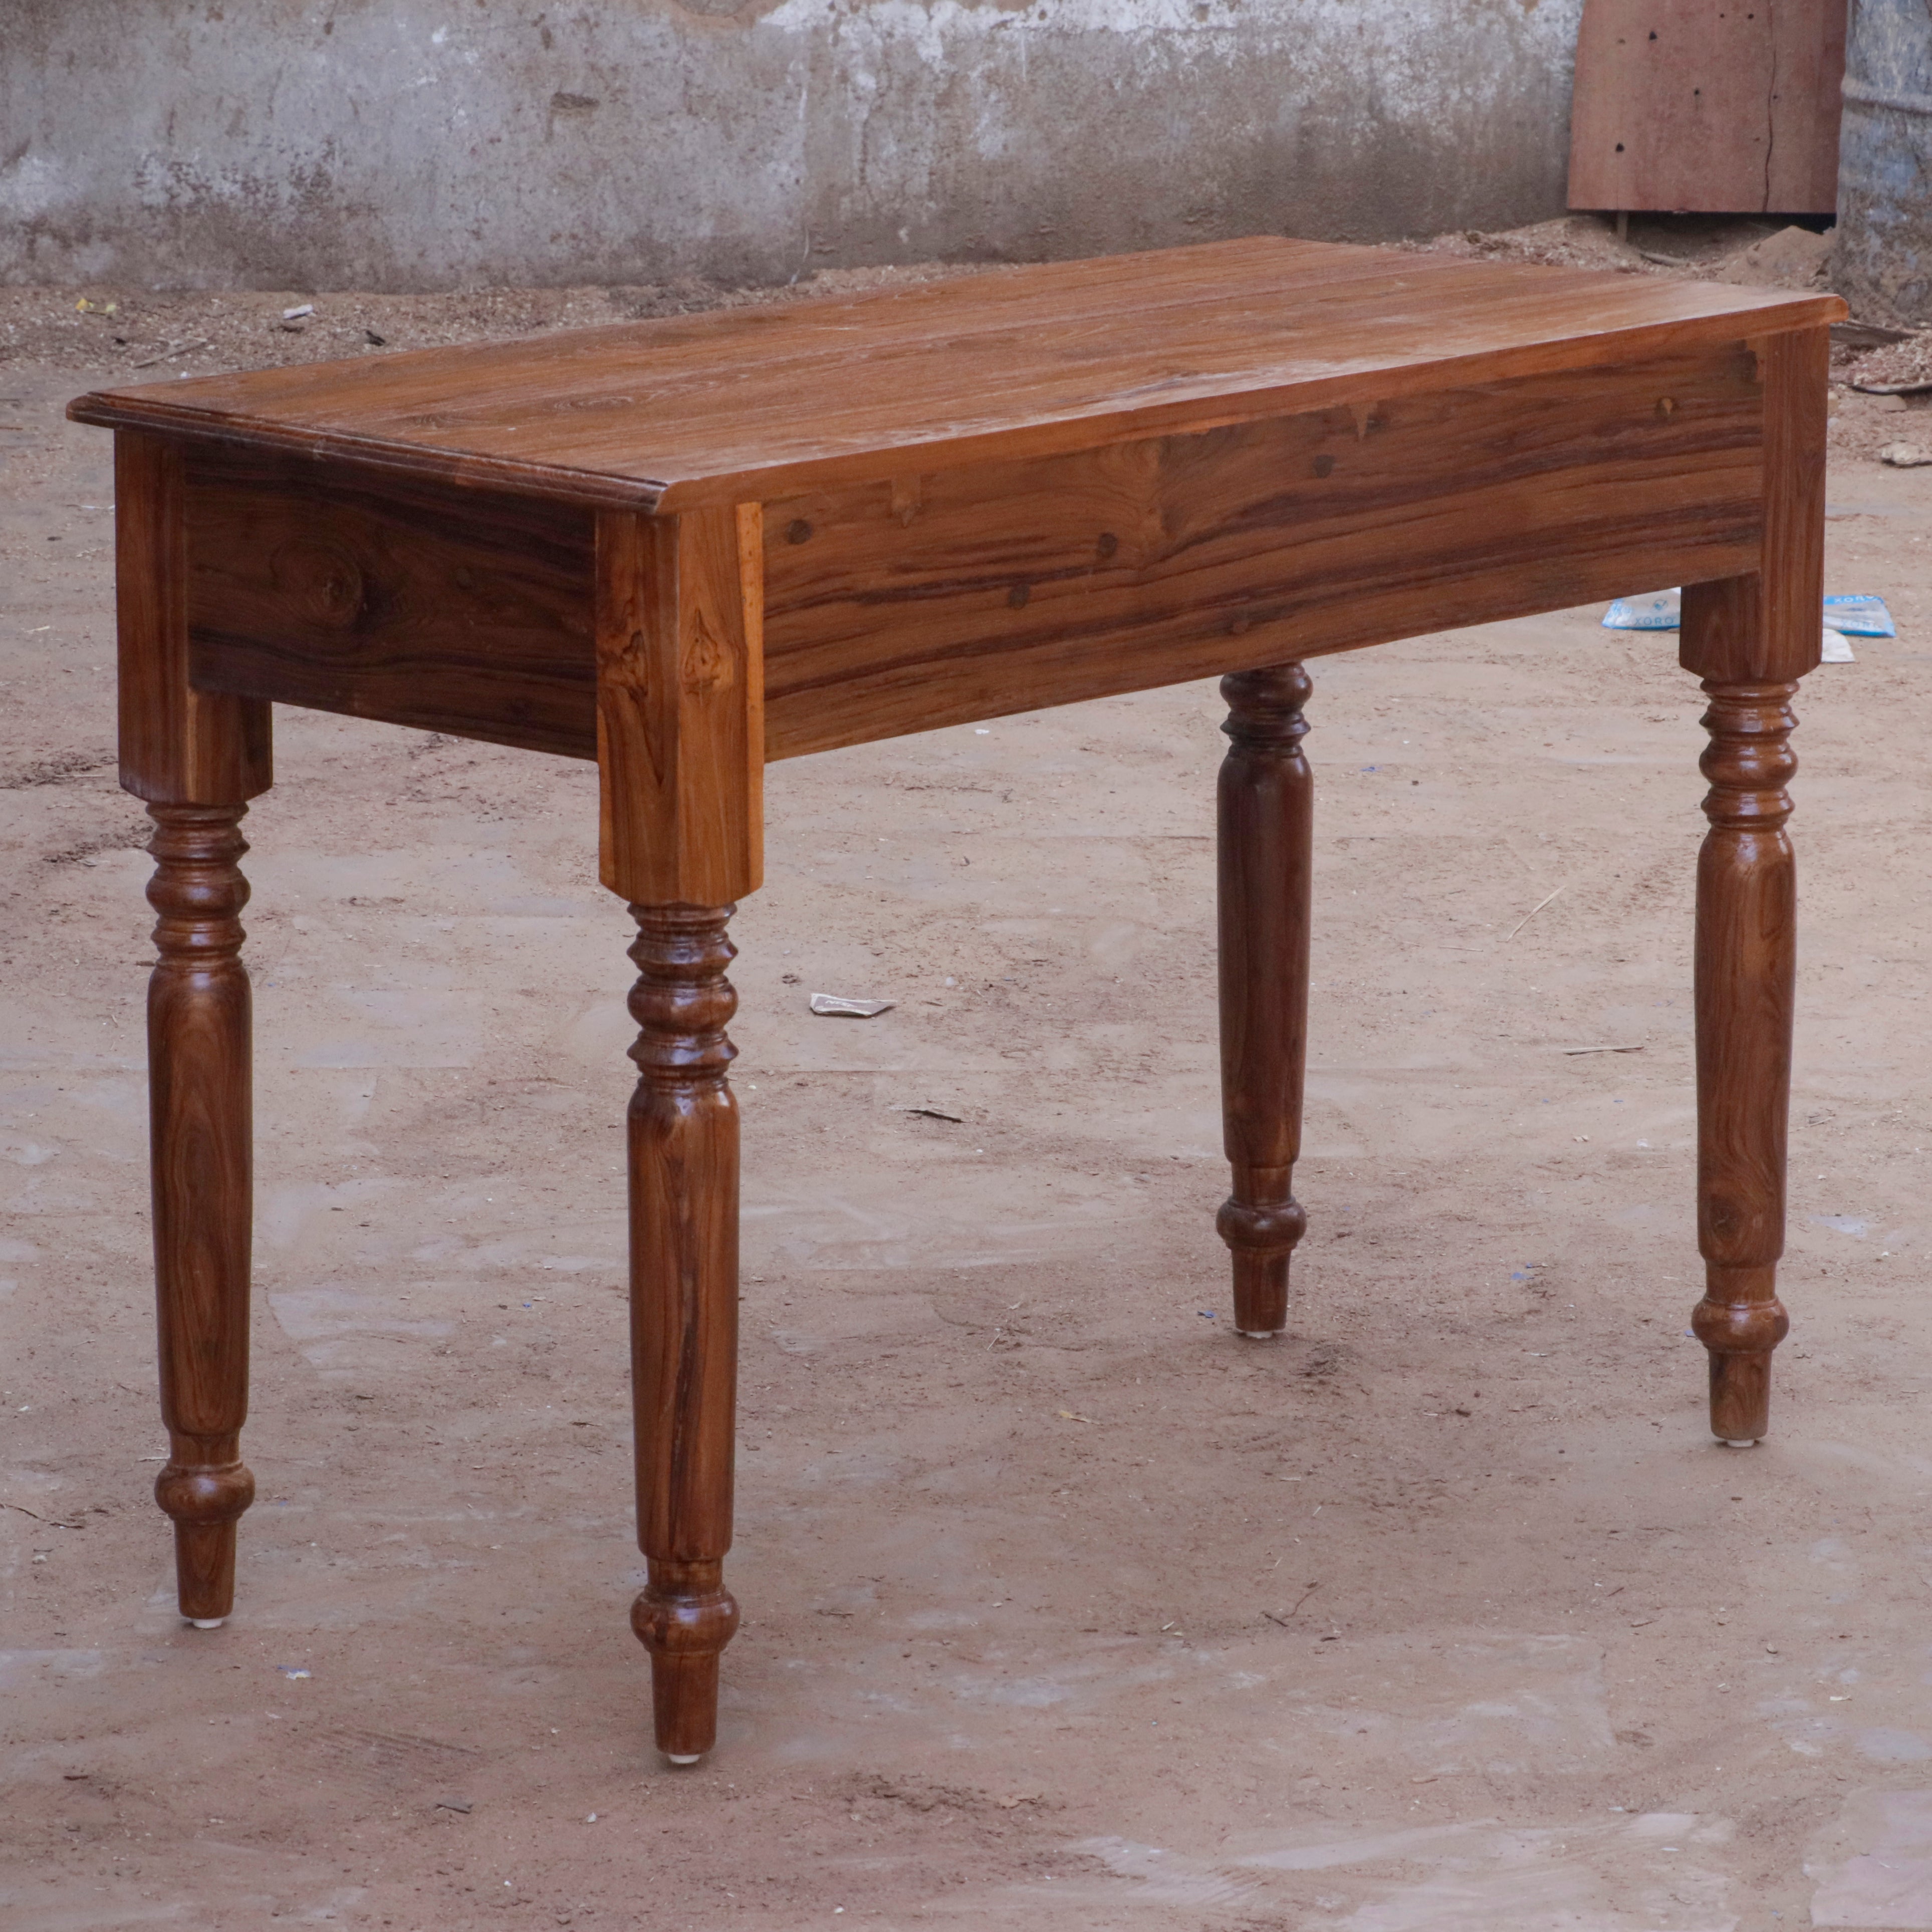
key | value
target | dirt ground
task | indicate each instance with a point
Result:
(1063, 1606)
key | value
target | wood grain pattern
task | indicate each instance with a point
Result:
(1708, 106)
(1746, 978)
(1764, 626)
(747, 404)
(1265, 875)
(179, 745)
(937, 598)
(680, 704)
(200, 1141)
(1749, 639)
(683, 1139)
(393, 598)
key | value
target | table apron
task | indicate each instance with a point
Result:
(923, 599)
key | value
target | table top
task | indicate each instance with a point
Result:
(749, 404)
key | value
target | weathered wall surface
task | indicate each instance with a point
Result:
(385, 144)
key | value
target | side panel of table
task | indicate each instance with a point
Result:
(409, 600)
(935, 600)
(930, 599)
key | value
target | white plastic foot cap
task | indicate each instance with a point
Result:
(208, 1623)
(1749, 1444)
(678, 1758)
(1257, 1334)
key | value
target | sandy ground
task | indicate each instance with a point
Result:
(1064, 1607)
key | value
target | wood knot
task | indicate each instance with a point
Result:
(322, 579)
(708, 658)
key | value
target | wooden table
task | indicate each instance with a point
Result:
(685, 547)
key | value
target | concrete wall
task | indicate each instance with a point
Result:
(424, 144)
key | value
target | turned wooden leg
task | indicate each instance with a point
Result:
(1749, 639)
(684, 1310)
(680, 756)
(1746, 969)
(199, 1100)
(195, 757)
(1264, 819)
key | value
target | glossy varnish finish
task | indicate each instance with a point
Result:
(180, 744)
(933, 598)
(196, 758)
(936, 597)
(1751, 639)
(1266, 868)
(684, 1309)
(689, 547)
(760, 404)
(200, 1133)
(680, 705)
(1746, 961)
(389, 597)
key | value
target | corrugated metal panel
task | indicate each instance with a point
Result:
(1884, 260)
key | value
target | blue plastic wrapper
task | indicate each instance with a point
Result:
(1860, 617)
(1855, 615)
(1659, 611)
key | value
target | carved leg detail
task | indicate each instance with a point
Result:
(1265, 821)
(200, 1144)
(684, 1310)
(1746, 970)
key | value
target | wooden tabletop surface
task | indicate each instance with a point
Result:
(754, 403)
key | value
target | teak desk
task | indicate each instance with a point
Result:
(684, 548)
